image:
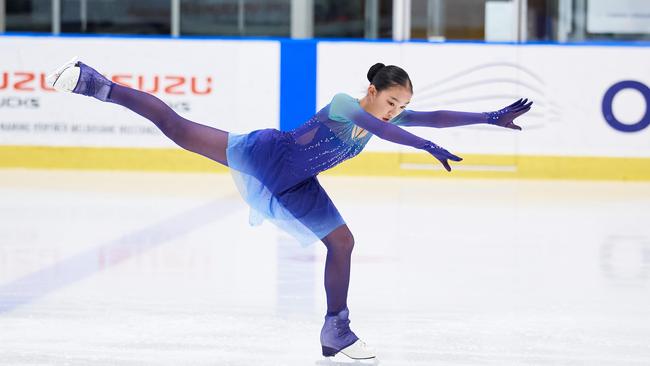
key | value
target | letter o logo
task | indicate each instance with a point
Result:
(607, 106)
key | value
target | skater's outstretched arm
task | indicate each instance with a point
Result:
(440, 119)
(345, 107)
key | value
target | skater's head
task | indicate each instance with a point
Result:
(383, 77)
(389, 92)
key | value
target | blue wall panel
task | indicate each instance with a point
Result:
(297, 82)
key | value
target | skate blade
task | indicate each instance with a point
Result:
(356, 354)
(343, 360)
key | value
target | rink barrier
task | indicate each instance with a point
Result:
(369, 163)
(300, 64)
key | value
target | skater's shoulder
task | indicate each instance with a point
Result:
(343, 106)
(343, 98)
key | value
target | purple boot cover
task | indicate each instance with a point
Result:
(336, 333)
(93, 84)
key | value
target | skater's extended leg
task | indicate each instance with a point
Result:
(79, 78)
(192, 136)
(336, 335)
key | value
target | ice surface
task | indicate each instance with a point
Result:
(108, 268)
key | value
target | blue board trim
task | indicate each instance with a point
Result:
(297, 82)
(585, 43)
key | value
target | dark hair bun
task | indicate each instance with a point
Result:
(374, 69)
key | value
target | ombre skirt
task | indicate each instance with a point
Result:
(261, 164)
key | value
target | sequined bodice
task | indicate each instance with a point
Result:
(322, 143)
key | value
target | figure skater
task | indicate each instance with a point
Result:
(276, 171)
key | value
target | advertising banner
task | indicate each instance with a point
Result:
(589, 100)
(230, 85)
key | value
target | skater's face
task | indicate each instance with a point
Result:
(388, 103)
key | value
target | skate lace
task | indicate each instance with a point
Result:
(342, 327)
(90, 86)
(93, 83)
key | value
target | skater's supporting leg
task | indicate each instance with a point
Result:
(192, 136)
(336, 335)
(339, 243)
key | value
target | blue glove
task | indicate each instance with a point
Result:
(504, 117)
(441, 154)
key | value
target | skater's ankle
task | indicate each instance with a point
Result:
(336, 312)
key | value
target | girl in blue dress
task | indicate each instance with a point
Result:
(276, 171)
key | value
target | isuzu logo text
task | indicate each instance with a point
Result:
(25, 81)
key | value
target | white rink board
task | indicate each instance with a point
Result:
(236, 88)
(567, 84)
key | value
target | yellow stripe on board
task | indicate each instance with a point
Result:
(499, 166)
(368, 163)
(86, 158)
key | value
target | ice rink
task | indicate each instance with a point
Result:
(116, 268)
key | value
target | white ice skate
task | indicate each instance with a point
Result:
(65, 78)
(357, 353)
(359, 350)
(76, 77)
(337, 337)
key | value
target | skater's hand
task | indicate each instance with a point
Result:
(504, 117)
(442, 155)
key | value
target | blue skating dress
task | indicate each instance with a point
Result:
(275, 171)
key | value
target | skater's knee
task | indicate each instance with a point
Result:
(340, 239)
(169, 127)
(176, 131)
(345, 245)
